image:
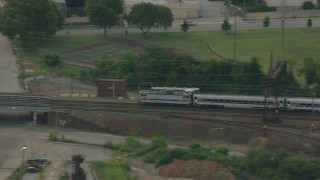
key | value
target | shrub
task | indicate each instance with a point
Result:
(179, 153)
(222, 151)
(53, 136)
(266, 22)
(130, 145)
(165, 159)
(111, 146)
(262, 7)
(307, 5)
(226, 26)
(309, 23)
(52, 60)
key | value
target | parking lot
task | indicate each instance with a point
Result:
(14, 137)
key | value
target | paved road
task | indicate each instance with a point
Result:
(202, 24)
(8, 68)
(212, 15)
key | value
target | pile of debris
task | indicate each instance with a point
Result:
(193, 169)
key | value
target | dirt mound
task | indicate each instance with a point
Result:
(260, 142)
(193, 169)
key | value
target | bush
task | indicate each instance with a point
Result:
(179, 153)
(53, 136)
(266, 22)
(52, 60)
(165, 159)
(307, 5)
(262, 7)
(131, 145)
(226, 26)
(309, 23)
(111, 146)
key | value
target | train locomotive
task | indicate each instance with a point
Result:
(189, 97)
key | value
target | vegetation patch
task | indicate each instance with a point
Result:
(116, 170)
(280, 164)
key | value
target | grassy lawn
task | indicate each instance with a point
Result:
(112, 170)
(300, 43)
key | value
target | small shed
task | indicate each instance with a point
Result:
(115, 87)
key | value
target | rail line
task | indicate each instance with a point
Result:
(245, 119)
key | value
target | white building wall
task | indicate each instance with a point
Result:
(288, 3)
(187, 10)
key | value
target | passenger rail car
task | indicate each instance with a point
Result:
(302, 104)
(234, 101)
(187, 96)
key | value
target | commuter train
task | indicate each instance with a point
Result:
(188, 97)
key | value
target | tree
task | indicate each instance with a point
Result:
(29, 20)
(309, 23)
(75, 3)
(104, 13)
(307, 5)
(184, 26)
(146, 16)
(226, 26)
(266, 22)
(310, 70)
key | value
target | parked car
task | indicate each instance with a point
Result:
(35, 165)
(190, 23)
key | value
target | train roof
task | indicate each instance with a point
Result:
(244, 97)
(175, 89)
(303, 99)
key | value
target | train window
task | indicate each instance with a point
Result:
(227, 101)
(288, 102)
(195, 97)
(233, 101)
(187, 96)
(215, 100)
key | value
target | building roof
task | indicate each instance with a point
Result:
(59, 1)
(150, 1)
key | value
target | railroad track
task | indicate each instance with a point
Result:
(245, 119)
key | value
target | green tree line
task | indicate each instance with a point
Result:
(159, 66)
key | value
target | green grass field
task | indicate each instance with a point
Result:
(300, 43)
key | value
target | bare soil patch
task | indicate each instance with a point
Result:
(85, 56)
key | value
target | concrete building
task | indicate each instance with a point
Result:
(181, 9)
(288, 3)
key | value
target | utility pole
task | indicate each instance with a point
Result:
(313, 94)
(282, 32)
(235, 11)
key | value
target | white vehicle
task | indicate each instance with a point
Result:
(303, 104)
(167, 95)
(235, 101)
(186, 96)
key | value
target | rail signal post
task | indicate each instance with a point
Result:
(313, 94)
(277, 75)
